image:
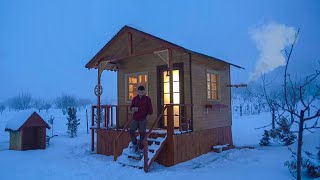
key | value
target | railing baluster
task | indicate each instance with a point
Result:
(111, 116)
(117, 119)
(186, 118)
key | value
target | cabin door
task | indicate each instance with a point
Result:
(164, 91)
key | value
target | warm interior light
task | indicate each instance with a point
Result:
(176, 94)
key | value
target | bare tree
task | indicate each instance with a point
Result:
(65, 101)
(20, 102)
(2, 108)
(272, 100)
(38, 104)
(295, 92)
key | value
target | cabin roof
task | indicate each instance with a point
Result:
(22, 119)
(93, 62)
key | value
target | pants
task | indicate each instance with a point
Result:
(141, 127)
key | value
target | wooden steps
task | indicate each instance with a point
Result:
(132, 159)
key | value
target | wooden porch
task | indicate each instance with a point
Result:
(112, 138)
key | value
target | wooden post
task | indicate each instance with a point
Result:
(117, 119)
(98, 113)
(170, 123)
(127, 113)
(106, 116)
(86, 120)
(111, 119)
(185, 120)
(92, 128)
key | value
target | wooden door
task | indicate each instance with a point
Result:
(164, 92)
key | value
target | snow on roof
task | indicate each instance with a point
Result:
(18, 120)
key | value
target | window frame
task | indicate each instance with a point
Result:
(138, 83)
(217, 85)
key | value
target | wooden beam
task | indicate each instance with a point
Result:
(92, 129)
(170, 123)
(98, 108)
(237, 85)
(191, 97)
(114, 59)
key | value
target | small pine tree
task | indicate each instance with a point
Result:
(73, 122)
(285, 135)
(101, 115)
(265, 140)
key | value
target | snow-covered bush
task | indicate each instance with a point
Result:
(73, 122)
(265, 140)
(283, 132)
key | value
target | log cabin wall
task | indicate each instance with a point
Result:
(149, 63)
(210, 119)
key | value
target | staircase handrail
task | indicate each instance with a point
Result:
(145, 139)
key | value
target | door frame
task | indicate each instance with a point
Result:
(160, 70)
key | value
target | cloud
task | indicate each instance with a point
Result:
(271, 40)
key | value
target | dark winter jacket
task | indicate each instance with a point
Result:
(144, 107)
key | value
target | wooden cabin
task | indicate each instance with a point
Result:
(190, 93)
(27, 131)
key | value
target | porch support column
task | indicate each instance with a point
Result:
(170, 123)
(98, 103)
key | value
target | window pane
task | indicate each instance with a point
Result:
(214, 95)
(208, 76)
(175, 75)
(130, 88)
(166, 99)
(132, 79)
(176, 110)
(208, 86)
(165, 77)
(176, 87)
(213, 78)
(166, 87)
(142, 78)
(209, 94)
(130, 96)
(214, 86)
(176, 121)
(176, 98)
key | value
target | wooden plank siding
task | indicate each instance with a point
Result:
(204, 119)
(105, 141)
(190, 145)
(148, 63)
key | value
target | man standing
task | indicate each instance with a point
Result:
(142, 107)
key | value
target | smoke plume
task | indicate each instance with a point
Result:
(271, 40)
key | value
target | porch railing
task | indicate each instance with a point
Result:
(110, 117)
(110, 120)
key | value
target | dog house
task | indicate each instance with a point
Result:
(27, 131)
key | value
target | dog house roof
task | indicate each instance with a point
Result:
(25, 118)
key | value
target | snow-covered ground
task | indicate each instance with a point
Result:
(70, 158)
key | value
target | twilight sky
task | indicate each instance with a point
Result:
(44, 45)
